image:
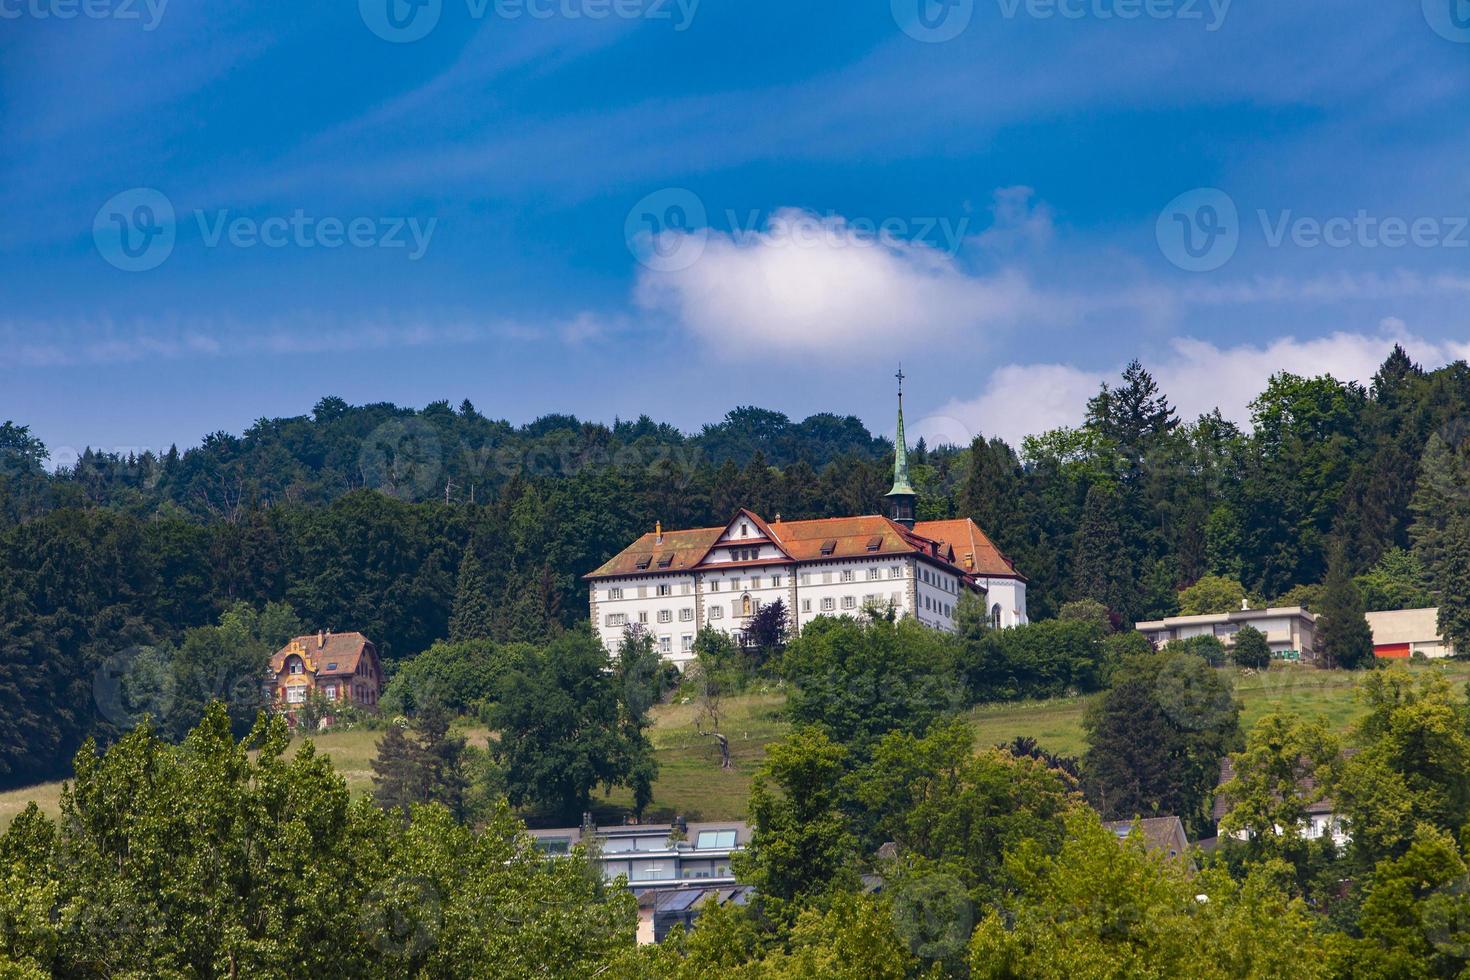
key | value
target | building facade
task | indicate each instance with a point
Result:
(1290, 630)
(342, 667)
(673, 583)
(1399, 634)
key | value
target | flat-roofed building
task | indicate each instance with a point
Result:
(1290, 630)
(1399, 634)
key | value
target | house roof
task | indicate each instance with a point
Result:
(958, 543)
(1164, 835)
(326, 654)
(970, 545)
(1306, 785)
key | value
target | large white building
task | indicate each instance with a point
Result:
(673, 583)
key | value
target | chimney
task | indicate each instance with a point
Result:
(1245, 605)
(658, 532)
(778, 519)
(321, 639)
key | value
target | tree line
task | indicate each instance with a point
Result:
(417, 526)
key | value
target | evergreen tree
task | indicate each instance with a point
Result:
(398, 773)
(473, 615)
(1100, 566)
(1251, 649)
(1344, 639)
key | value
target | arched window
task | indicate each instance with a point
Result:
(294, 665)
(995, 616)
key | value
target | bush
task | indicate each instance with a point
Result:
(1207, 648)
(1251, 649)
(1039, 660)
(460, 677)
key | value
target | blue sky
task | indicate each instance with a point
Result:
(615, 207)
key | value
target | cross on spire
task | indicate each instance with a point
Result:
(900, 377)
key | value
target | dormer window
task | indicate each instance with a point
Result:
(829, 546)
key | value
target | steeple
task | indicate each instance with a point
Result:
(902, 496)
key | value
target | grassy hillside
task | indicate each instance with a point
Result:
(691, 783)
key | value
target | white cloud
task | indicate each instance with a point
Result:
(805, 283)
(1196, 375)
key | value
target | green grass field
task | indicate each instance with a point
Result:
(691, 783)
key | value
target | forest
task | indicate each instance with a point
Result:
(382, 519)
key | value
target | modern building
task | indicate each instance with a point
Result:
(342, 667)
(655, 855)
(673, 583)
(1290, 630)
(1401, 633)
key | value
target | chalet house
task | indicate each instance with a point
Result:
(342, 667)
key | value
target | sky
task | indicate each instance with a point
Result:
(217, 212)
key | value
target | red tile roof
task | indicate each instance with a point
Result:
(330, 654)
(957, 543)
(973, 549)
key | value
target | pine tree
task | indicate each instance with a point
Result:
(473, 614)
(1344, 639)
(991, 490)
(398, 776)
(1441, 533)
(1100, 567)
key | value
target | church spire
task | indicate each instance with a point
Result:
(902, 496)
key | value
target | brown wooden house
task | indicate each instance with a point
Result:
(342, 667)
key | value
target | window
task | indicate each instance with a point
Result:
(895, 571)
(665, 590)
(614, 593)
(331, 692)
(554, 845)
(296, 695)
(829, 546)
(874, 574)
(665, 615)
(332, 666)
(826, 578)
(829, 604)
(617, 619)
(755, 581)
(848, 575)
(716, 612)
(715, 839)
(806, 578)
(806, 605)
(995, 615)
(745, 530)
(295, 666)
(776, 581)
(686, 642)
(665, 644)
(849, 602)
(643, 616)
(714, 585)
(686, 615)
